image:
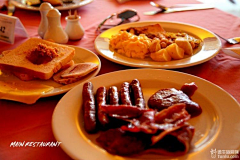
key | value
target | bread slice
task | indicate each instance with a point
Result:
(17, 59)
(27, 77)
(74, 73)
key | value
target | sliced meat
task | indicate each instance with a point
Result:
(165, 132)
(173, 143)
(79, 70)
(150, 121)
(119, 142)
(122, 111)
(74, 73)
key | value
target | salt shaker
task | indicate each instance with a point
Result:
(74, 28)
(55, 31)
(44, 8)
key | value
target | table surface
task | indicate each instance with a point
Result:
(32, 123)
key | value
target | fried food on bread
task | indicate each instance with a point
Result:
(36, 58)
(41, 59)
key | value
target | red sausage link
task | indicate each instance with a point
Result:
(101, 96)
(113, 95)
(89, 108)
(137, 94)
(125, 94)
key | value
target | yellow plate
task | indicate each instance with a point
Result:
(81, 55)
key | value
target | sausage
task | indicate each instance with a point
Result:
(101, 97)
(89, 108)
(113, 95)
(125, 94)
(137, 95)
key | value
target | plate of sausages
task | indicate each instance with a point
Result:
(145, 114)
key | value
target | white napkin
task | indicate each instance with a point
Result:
(233, 51)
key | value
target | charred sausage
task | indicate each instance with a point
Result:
(113, 95)
(137, 95)
(125, 94)
(101, 97)
(89, 108)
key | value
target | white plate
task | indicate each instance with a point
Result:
(77, 3)
(209, 47)
(218, 127)
(81, 55)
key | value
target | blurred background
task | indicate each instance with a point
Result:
(230, 6)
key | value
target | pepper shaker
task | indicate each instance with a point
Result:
(44, 8)
(55, 31)
(74, 28)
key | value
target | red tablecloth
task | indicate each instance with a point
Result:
(32, 123)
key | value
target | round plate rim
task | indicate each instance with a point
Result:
(31, 8)
(122, 62)
(59, 113)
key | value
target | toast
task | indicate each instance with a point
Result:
(36, 58)
(27, 77)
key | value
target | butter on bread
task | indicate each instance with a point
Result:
(18, 61)
(74, 73)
